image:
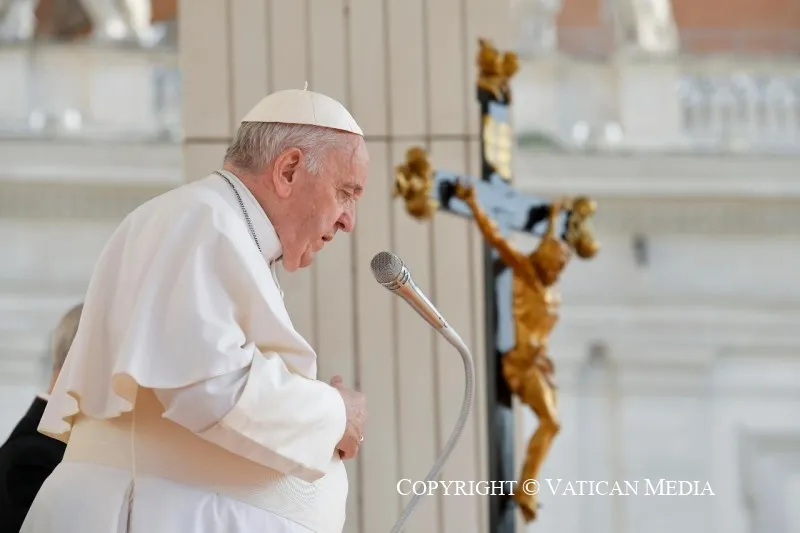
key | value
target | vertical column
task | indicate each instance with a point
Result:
(478, 326)
(249, 58)
(408, 125)
(451, 94)
(456, 292)
(379, 503)
(204, 52)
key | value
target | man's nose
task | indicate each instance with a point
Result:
(347, 221)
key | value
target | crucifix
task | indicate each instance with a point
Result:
(519, 287)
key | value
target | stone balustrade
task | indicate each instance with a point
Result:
(583, 95)
(88, 92)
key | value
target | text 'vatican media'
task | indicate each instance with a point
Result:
(556, 487)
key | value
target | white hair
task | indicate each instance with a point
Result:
(65, 334)
(257, 144)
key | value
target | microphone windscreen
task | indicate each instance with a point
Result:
(386, 267)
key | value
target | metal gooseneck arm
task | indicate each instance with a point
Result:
(390, 272)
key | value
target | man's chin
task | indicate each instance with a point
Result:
(307, 259)
(303, 261)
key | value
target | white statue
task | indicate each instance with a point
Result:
(651, 25)
(536, 21)
(120, 20)
(17, 19)
(112, 20)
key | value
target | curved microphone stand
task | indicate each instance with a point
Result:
(469, 391)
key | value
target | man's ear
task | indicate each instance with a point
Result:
(284, 171)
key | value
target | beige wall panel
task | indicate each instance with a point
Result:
(334, 305)
(288, 66)
(327, 41)
(407, 72)
(454, 286)
(205, 68)
(486, 19)
(288, 44)
(250, 56)
(201, 159)
(334, 310)
(366, 35)
(375, 342)
(478, 339)
(449, 83)
(335, 316)
(416, 364)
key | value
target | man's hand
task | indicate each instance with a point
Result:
(464, 191)
(355, 406)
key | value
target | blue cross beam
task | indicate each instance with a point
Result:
(426, 190)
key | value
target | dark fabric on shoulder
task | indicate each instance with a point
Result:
(27, 458)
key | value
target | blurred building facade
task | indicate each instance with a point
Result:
(678, 350)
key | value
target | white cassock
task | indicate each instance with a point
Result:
(188, 402)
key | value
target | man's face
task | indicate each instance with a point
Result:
(320, 205)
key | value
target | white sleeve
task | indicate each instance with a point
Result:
(201, 405)
(256, 413)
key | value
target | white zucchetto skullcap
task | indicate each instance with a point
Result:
(295, 106)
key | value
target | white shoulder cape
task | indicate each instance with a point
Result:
(180, 294)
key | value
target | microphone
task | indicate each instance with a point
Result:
(390, 272)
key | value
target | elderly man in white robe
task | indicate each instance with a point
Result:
(188, 402)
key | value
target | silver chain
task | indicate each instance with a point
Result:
(244, 211)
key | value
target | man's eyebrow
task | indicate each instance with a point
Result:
(354, 186)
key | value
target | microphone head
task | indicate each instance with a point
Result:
(386, 267)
